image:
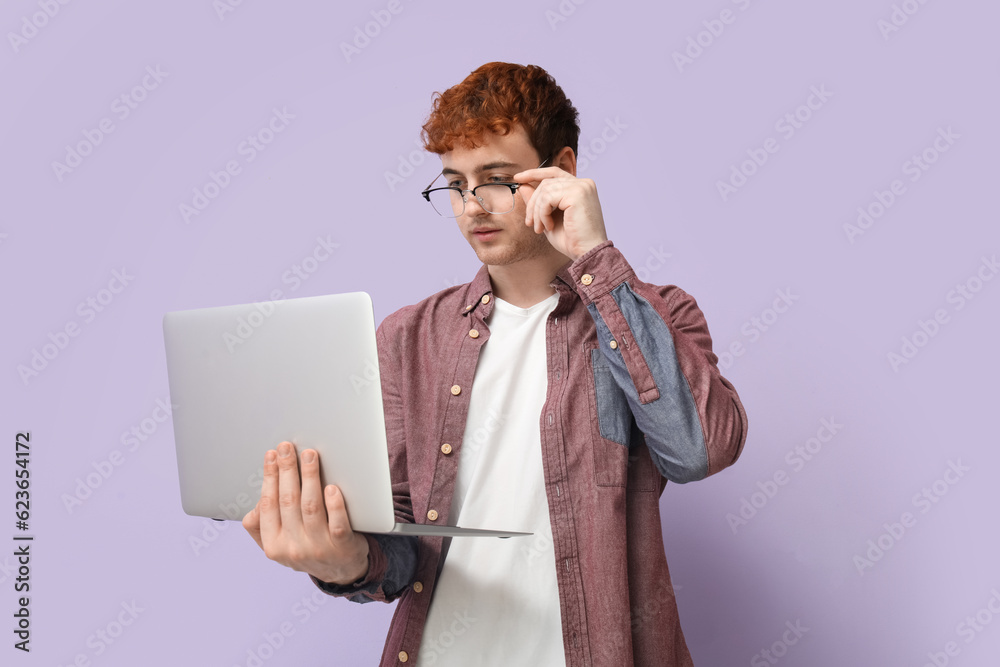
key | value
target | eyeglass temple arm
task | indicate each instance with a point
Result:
(433, 182)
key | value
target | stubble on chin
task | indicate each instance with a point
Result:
(520, 248)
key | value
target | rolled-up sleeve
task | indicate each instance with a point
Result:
(657, 345)
(391, 562)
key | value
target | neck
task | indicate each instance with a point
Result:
(525, 283)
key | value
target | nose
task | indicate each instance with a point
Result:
(473, 207)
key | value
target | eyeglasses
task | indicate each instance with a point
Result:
(496, 198)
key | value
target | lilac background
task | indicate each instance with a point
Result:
(681, 130)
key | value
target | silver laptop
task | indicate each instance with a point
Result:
(245, 378)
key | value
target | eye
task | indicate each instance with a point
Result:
(499, 179)
(456, 183)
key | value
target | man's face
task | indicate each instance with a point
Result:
(497, 239)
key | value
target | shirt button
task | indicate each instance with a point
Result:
(486, 298)
(473, 333)
(403, 657)
(613, 344)
(469, 307)
(417, 587)
(586, 279)
(446, 448)
(432, 515)
(455, 390)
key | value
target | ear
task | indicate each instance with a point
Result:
(565, 159)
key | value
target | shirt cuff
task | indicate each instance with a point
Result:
(598, 271)
(377, 565)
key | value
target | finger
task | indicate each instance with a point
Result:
(289, 489)
(558, 197)
(537, 175)
(533, 210)
(527, 194)
(556, 212)
(313, 505)
(526, 191)
(251, 522)
(270, 519)
(339, 524)
(542, 212)
(542, 208)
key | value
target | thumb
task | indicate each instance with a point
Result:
(251, 522)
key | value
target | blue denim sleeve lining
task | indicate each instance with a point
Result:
(401, 563)
(614, 419)
(670, 423)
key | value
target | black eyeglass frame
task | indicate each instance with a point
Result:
(513, 191)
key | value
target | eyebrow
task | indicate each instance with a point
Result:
(500, 164)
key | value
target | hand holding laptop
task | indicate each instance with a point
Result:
(310, 531)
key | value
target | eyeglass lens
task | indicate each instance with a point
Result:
(494, 198)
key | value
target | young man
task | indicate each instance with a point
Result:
(556, 393)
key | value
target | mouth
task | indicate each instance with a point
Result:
(485, 233)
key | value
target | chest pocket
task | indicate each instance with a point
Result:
(619, 448)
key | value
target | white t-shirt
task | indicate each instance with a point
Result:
(497, 600)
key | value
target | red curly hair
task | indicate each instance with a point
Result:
(494, 98)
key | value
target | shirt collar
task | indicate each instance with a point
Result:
(563, 275)
(481, 288)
